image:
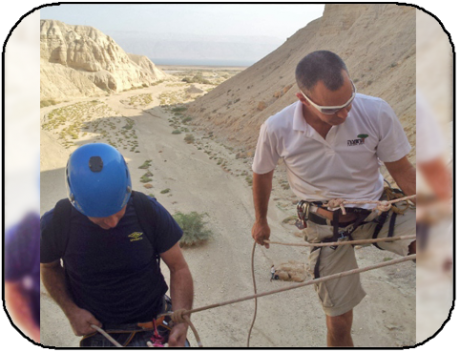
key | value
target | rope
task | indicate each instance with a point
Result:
(342, 243)
(311, 282)
(385, 205)
(107, 336)
(255, 292)
(382, 205)
(180, 316)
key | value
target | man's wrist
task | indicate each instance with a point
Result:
(70, 310)
(261, 220)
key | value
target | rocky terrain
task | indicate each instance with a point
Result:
(81, 61)
(196, 129)
(380, 59)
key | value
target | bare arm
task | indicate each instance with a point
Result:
(181, 288)
(261, 190)
(53, 278)
(403, 172)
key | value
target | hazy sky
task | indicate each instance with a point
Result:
(271, 20)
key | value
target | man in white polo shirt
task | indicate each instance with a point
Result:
(333, 141)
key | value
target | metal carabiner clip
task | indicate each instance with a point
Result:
(303, 208)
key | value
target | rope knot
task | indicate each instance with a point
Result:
(335, 203)
(383, 206)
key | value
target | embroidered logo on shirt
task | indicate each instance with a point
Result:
(359, 141)
(136, 236)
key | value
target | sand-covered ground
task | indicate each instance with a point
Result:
(193, 171)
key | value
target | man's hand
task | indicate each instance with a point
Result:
(261, 232)
(81, 321)
(178, 335)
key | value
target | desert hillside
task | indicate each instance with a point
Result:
(196, 129)
(81, 61)
(380, 59)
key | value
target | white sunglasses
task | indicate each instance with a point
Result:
(331, 110)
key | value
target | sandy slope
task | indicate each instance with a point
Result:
(221, 268)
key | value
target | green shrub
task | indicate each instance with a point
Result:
(165, 191)
(176, 132)
(146, 164)
(194, 229)
(189, 138)
(179, 109)
(45, 103)
(146, 177)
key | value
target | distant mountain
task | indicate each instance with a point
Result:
(196, 47)
(80, 61)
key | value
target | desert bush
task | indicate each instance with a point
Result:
(45, 103)
(165, 191)
(146, 177)
(198, 78)
(189, 138)
(176, 132)
(192, 224)
(146, 164)
(179, 109)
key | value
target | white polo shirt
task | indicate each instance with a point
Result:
(346, 163)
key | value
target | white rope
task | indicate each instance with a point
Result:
(381, 205)
(107, 336)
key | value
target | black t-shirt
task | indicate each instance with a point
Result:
(114, 273)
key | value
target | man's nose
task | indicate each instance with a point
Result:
(343, 113)
(111, 221)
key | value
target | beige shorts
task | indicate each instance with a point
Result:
(338, 296)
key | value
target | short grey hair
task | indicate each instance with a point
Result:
(321, 65)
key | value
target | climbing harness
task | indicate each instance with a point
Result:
(154, 333)
(307, 211)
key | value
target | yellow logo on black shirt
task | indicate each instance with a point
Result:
(135, 236)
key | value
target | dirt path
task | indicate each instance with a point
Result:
(221, 268)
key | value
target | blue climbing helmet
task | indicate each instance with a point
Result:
(98, 180)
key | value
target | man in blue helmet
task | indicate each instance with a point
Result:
(111, 276)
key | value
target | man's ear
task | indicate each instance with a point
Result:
(302, 98)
